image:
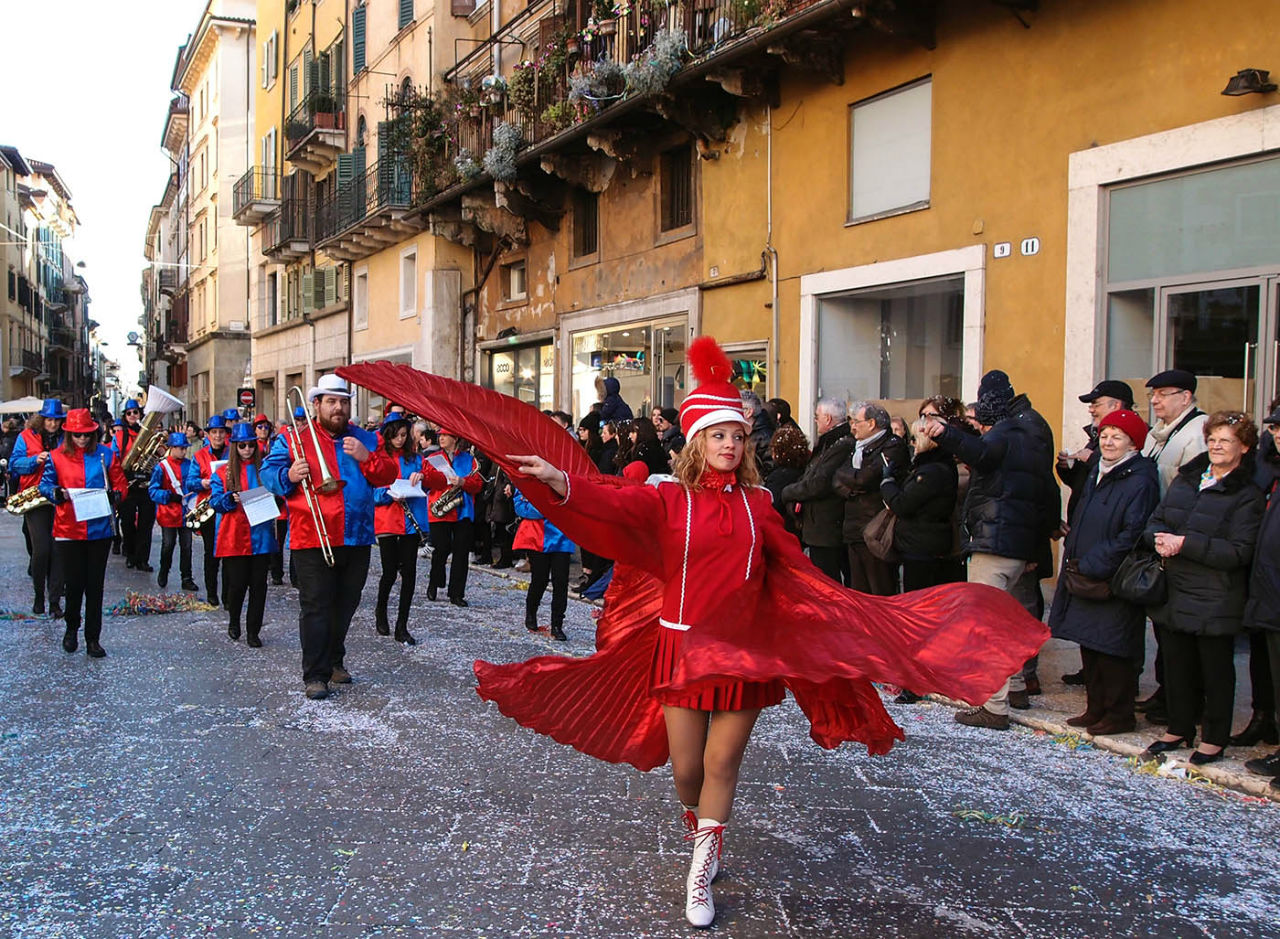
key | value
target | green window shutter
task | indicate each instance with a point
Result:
(293, 86)
(330, 286)
(308, 292)
(406, 13)
(321, 276)
(357, 39)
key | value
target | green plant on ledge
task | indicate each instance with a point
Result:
(522, 89)
(558, 116)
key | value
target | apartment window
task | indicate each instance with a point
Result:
(270, 65)
(676, 184)
(408, 283)
(273, 298)
(406, 13)
(360, 300)
(357, 39)
(586, 223)
(889, 152)
(513, 281)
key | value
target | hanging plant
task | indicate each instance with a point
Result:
(500, 159)
(465, 165)
(522, 89)
(651, 71)
(602, 83)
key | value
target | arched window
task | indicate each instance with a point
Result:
(362, 130)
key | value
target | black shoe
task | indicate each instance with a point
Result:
(1075, 678)
(69, 640)
(253, 642)
(95, 650)
(1158, 714)
(502, 566)
(907, 697)
(1164, 746)
(458, 601)
(144, 566)
(1146, 704)
(55, 610)
(1264, 765)
(431, 594)
(115, 546)
(189, 585)
(382, 626)
(128, 562)
(403, 635)
(1261, 729)
(531, 623)
(233, 631)
(557, 633)
(38, 606)
(1200, 758)
(162, 580)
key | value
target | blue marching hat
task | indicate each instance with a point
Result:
(231, 415)
(396, 417)
(132, 405)
(178, 439)
(53, 409)
(216, 422)
(299, 413)
(243, 433)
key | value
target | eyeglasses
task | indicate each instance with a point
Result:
(933, 414)
(1166, 392)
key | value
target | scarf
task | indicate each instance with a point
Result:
(862, 445)
(1105, 466)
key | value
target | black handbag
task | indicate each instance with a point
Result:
(1140, 578)
(1082, 585)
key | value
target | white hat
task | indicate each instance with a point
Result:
(330, 385)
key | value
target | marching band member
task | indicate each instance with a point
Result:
(245, 551)
(451, 532)
(332, 572)
(82, 546)
(399, 524)
(136, 510)
(166, 491)
(265, 433)
(200, 481)
(42, 435)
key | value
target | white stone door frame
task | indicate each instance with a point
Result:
(969, 261)
(1090, 173)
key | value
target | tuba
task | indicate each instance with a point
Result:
(23, 502)
(150, 446)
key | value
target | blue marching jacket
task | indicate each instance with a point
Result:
(553, 539)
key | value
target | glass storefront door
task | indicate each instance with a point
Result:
(646, 358)
(526, 372)
(1223, 332)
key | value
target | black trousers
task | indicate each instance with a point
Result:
(46, 567)
(137, 517)
(246, 573)
(1264, 695)
(451, 538)
(1110, 685)
(869, 574)
(399, 555)
(1199, 684)
(85, 566)
(182, 537)
(550, 566)
(277, 556)
(328, 597)
(932, 572)
(502, 539)
(210, 561)
(834, 562)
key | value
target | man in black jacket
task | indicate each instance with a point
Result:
(1012, 508)
(762, 429)
(858, 480)
(822, 511)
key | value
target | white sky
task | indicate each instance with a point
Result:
(86, 88)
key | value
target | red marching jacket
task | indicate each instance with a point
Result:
(98, 469)
(464, 464)
(202, 469)
(235, 537)
(165, 490)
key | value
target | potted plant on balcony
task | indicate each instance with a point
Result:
(522, 89)
(324, 108)
(606, 17)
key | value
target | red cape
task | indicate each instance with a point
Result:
(825, 642)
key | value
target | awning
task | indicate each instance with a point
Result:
(21, 405)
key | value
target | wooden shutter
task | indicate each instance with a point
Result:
(406, 13)
(330, 286)
(293, 86)
(308, 73)
(265, 68)
(357, 39)
(308, 292)
(549, 27)
(344, 282)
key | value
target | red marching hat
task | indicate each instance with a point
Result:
(715, 400)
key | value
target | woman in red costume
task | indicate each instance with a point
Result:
(714, 608)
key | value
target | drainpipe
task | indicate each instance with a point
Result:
(774, 354)
(248, 236)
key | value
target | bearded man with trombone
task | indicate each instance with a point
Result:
(326, 472)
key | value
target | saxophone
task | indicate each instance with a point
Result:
(23, 502)
(447, 501)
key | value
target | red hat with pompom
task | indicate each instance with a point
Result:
(715, 400)
(1133, 427)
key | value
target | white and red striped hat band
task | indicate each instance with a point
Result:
(709, 406)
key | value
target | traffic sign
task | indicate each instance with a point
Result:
(246, 398)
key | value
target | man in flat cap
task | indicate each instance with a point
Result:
(1074, 468)
(1178, 433)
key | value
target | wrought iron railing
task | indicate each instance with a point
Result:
(321, 109)
(260, 184)
(387, 184)
(292, 222)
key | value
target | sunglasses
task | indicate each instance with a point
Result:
(246, 444)
(77, 433)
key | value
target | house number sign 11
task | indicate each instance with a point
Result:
(1028, 247)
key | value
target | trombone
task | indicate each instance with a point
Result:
(328, 482)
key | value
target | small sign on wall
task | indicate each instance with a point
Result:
(1001, 249)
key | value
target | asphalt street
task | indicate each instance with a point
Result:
(183, 786)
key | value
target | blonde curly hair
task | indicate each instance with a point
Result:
(691, 462)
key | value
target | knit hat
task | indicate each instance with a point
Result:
(994, 394)
(590, 421)
(715, 400)
(1134, 427)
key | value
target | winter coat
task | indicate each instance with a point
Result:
(613, 407)
(924, 503)
(501, 509)
(1262, 611)
(1075, 473)
(233, 536)
(1173, 446)
(655, 459)
(760, 438)
(1266, 471)
(779, 479)
(860, 487)
(672, 440)
(552, 539)
(822, 511)
(1209, 577)
(606, 461)
(1013, 503)
(1110, 517)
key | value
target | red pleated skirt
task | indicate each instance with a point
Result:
(711, 695)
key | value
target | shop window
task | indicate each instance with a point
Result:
(524, 372)
(586, 224)
(514, 286)
(647, 359)
(676, 184)
(889, 152)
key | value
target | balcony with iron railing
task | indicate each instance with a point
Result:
(255, 195)
(315, 132)
(24, 361)
(371, 212)
(62, 340)
(287, 232)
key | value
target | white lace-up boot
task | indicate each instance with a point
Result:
(689, 819)
(708, 840)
